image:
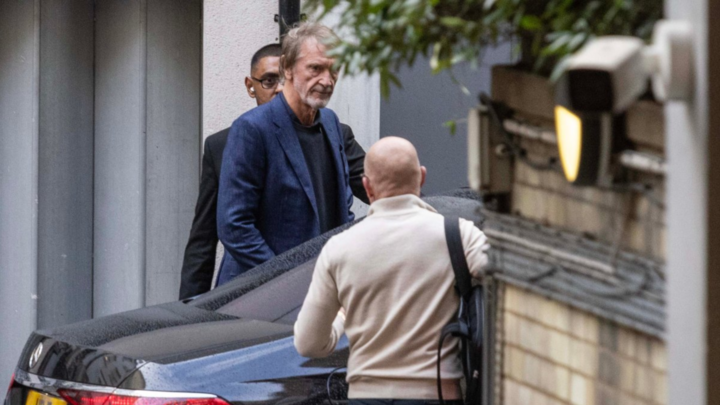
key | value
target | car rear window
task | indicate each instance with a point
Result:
(278, 300)
(280, 268)
(275, 290)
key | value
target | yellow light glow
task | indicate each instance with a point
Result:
(569, 134)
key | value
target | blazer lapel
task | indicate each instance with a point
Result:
(285, 133)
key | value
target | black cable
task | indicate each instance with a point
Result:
(612, 292)
(516, 149)
(543, 274)
(327, 384)
(644, 189)
(437, 363)
(609, 292)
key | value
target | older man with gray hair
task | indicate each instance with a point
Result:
(392, 275)
(285, 176)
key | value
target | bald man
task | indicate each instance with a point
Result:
(392, 275)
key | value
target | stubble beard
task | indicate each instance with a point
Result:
(315, 103)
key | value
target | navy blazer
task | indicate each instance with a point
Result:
(266, 203)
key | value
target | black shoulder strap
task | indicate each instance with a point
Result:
(457, 256)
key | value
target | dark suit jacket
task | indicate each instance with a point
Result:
(266, 202)
(200, 252)
(199, 261)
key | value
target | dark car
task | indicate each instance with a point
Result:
(231, 345)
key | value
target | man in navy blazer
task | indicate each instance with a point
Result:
(284, 177)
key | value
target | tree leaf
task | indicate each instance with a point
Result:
(391, 33)
(452, 22)
(384, 85)
(531, 23)
(451, 125)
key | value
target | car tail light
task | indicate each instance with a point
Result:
(74, 397)
(12, 382)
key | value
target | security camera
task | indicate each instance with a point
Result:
(600, 83)
(609, 73)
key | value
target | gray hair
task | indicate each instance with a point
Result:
(292, 43)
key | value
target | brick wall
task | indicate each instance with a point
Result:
(553, 354)
(546, 197)
(610, 216)
(550, 353)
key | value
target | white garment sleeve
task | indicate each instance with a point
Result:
(476, 246)
(319, 326)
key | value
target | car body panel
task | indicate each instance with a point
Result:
(266, 372)
(234, 342)
(65, 361)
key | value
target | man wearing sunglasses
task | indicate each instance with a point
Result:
(263, 85)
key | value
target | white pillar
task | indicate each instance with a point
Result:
(173, 140)
(147, 141)
(120, 124)
(99, 145)
(65, 183)
(19, 90)
(692, 285)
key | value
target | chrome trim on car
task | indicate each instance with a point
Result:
(35, 356)
(52, 385)
(162, 394)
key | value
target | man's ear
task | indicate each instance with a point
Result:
(250, 87)
(286, 73)
(423, 173)
(368, 189)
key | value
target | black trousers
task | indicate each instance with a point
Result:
(373, 401)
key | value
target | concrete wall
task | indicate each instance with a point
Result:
(232, 32)
(19, 82)
(120, 47)
(173, 127)
(65, 184)
(147, 125)
(99, 144)
(418, 110)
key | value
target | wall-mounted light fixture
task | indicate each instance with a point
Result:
(602, 80)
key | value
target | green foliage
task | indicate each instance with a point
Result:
(387, 34)
(451, 125)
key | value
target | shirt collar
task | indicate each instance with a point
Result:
(294, 117)
(398, 205)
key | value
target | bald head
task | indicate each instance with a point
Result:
(392, 168)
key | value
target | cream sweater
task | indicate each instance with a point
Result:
(392, 274)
